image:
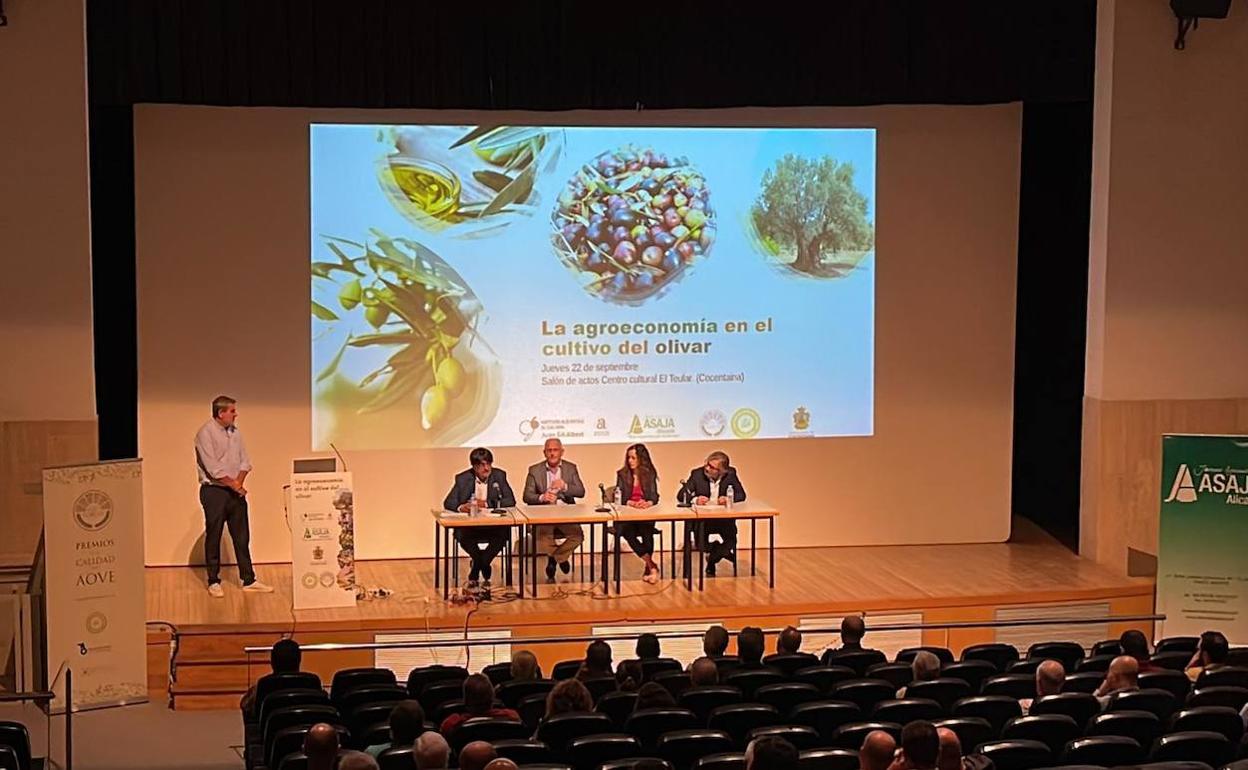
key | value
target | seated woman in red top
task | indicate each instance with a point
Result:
(478, 702)
(638, 483)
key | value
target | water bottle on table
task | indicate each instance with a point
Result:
(728, 498)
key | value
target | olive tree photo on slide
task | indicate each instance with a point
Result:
(811, 218)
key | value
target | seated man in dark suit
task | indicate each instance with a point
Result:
(551, 481)
(709, 485)
(750, 641)
(853, 628)
(789, 645)
(487, 487)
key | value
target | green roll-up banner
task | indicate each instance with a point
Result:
(1202, 560)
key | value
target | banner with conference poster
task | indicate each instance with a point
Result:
(1202, 572)
(96, 613)
(322, 540)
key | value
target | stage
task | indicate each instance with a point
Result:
(1029, 575)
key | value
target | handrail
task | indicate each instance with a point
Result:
(527, 640)
(38, 696)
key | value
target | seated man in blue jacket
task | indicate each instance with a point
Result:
(488, 486)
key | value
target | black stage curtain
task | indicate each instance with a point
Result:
(576, 54)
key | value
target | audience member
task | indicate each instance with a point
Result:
(476, 755)
(357, 760)
(1122, 677)
(478, 702)
(770, 753)
(853, 629)
(1135, 644)
(597, 661)
(924, 668)
(703, 672)
(789, 642)
(715, 642)
(285, 657)
(920, 746)
(1211, 653)
(877, 751)
(568, 696)
(524, 666)
(950, 754)
(628, 676)
(432, 752)
(647, 647)
(321, 746)
(652, 695)
(502, 763)
(407, 720)
(1049, 679)
(750, 642)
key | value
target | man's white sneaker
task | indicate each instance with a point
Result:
(216, 591)
(256, 587)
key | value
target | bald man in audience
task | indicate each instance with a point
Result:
(321, 746)
(877, 751)
(950, 755)
(357, 760)
(502, 763)
(476, 755)
(1050, 675)
(432, 752)
(703, 672)
(1123, 676)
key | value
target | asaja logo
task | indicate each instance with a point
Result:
(1219, 481)
(93, 510)
(652, 425)
(1182, 490)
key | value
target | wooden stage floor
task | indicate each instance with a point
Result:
(942, 583)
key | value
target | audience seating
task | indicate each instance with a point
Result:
(1175, 660)
(828, 759)
(1174, 682)
(1110, 647)
(726, 663)
(897, 674)
(824, 678)
(1085, 681)
(971, 731)
(997, 709)
(850, 736)
(1196, 746)
(557, 730)
(397, 758)
(1184, 644)
(588, 752)
(368, 716)
(1025, 666)
(789, 663)
(523, 751)
(9, 759)
(739, 718)
(511, 693)
(350, 678)
(1067, 653)
(675, 682)
(498, 673)
(1223, 676)
(945, 690)
(371, 693)
(418, 677)
(944, 654)
(859, 660)
(566, 669)
(1079, 706)
(998, 654)
(1159, 702)
(1017, 755)
(751, 680)
(618, 706)
(1096, 663)
(487, 729)
(286, 698)
(702, 700)
(731, 760)
(801, 736)
(653, 666)
(1016, 686)
(973, 672)
(1053, 730)
(599, 686)
(290, 740)
(825, 716)
(1103, 750)
(864, 693)
(299, 761)
(786, 695)
(648, 724)
(907, 710)
(682, 748)
(1218, 719)
(1143, 726)
(1232, 697)
(16, 737)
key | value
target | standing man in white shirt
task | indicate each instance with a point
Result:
(549, 482)
(223, 466)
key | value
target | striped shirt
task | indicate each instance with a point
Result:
(219, 453)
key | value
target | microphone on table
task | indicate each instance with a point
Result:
(498, 499)
(682, 495)
(602, 506)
